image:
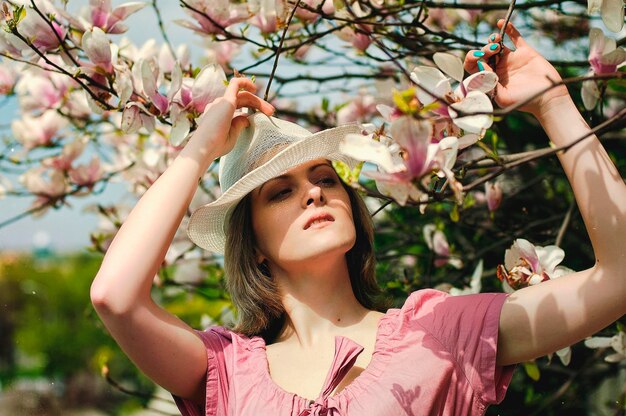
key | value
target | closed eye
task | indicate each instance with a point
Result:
(281, 194)
(328, 181)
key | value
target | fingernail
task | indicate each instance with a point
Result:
(494, 46)
(478, 54)
(493, 38)
(481, 67)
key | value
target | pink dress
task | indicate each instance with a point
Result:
(434, 356)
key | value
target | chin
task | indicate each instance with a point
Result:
(320, 248)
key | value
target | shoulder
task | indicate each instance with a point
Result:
(219, 338)
(426, 300)
(439, 312)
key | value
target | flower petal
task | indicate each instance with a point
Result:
(450, 64)
(590, 94)
(613, 14)
(367, 149)
(549, 257)
(432, 80)
(475, 101)
(593, 6)
(484, 81)
(468, 140)
(414, 136)
(208, 86)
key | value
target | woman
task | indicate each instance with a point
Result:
(321, 347)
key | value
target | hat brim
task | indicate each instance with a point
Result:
(207, 224)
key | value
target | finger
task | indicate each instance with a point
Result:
(237, 84)
(247, 99)
(513, 33)
(494, 38)
(475, 61)
(237, 124)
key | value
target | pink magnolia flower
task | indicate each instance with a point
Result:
(97, 47)
(8, 78)
(87, 175)
(168, 59)
(407, 157)
(136, 116)
(43, 34)
(267, 14)
(11, 44)
(100, 14)
(39, 90)
(221, 14)
(39, 131)
(359, 37)
(526, 264)
(604, 57)
(70, 152)
(436, 241)
(308, 16)
(207, 86)
(493, 194)
(223, 52)
(48, 190)
(362, 107)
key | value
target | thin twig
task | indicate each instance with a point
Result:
(547, 152)
(166, 39)
(56, 34)
(136, 393)
(383, 206)
(564, 224)
(279, 50)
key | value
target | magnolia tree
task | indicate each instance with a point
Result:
(481, 183)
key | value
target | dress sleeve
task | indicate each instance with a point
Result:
(217, 348)
(467, 327)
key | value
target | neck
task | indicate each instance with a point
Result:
(318, 300)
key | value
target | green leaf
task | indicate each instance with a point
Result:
(454, 214)
(325, 104)
(406, 100)
(349, 176)
(532, 370)
(19, 14)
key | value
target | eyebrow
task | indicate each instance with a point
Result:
(285, 176)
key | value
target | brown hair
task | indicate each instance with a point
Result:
(255, 294)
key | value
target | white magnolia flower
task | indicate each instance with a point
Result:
(617, 342)
(469, 97)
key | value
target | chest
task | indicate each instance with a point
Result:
(304, 372)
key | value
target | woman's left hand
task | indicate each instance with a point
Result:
(522, 73)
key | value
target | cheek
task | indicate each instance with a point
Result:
(269, 227)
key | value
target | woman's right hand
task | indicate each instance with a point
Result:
(219, 120)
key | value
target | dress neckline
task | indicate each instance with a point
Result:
(346, 349)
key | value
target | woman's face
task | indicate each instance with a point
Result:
(302, 215)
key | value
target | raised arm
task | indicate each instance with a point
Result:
(543, 318)
(161, 345)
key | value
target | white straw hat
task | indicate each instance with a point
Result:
(240, 172)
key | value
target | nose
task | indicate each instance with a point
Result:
(314, 196)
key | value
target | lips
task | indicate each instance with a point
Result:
(318, 218)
